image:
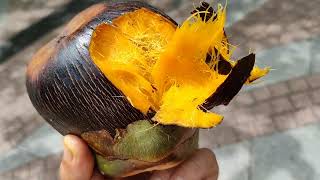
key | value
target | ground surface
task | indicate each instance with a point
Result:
(270, 131)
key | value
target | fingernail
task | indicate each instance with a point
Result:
(68, 151)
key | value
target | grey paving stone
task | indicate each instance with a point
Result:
(315, 56)
(222, 109)
(244, 115)
(263, 119)
(244, 99)
(261, 94)
(298, 84)
(246, 131)
(264, 128)
(226, 135)
(280, 105)
(5, 144)
(229, 119)
(263, 108)
(305, 116)
(264, 125)
(285, 121)
(206, 140)
(316, 110)
(22, 173)
(7, 175)
(37, 169)
(223, 135)
(301, 100)
(52, 167)
(234, 161)
(315, 96)
(53, 161)
(279, 89)
(165, 4)
(314, 80)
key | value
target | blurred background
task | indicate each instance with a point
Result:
(271, 131)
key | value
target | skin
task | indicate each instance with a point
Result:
(78, 164)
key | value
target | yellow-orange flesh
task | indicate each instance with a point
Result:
(162, 67)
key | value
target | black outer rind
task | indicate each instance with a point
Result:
(232, 85)
(71, 93)
(205, 7)
(224, 67)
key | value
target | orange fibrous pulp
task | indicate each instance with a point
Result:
(162, 67)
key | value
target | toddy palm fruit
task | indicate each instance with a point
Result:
(135, 85)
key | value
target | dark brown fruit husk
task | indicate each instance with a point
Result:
(67, 88)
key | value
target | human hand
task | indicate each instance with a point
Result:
(78, 164)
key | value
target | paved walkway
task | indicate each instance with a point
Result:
(270, 131)
(291, 155)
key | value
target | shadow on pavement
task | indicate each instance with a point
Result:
(42, 27)
(284, 155)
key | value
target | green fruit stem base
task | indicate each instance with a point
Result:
(141, 147)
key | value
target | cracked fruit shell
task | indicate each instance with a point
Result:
(135, 85)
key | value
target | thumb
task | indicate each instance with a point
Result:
(77, 162)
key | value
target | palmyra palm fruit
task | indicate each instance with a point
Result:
(135, 85)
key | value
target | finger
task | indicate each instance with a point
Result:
(201, 165)
(97, 176)
(143, 176)
(162, 175)
(77, 162)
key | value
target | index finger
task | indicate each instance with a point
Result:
(201, 165)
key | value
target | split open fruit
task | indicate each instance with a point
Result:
(166, 69)
(123, 73)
